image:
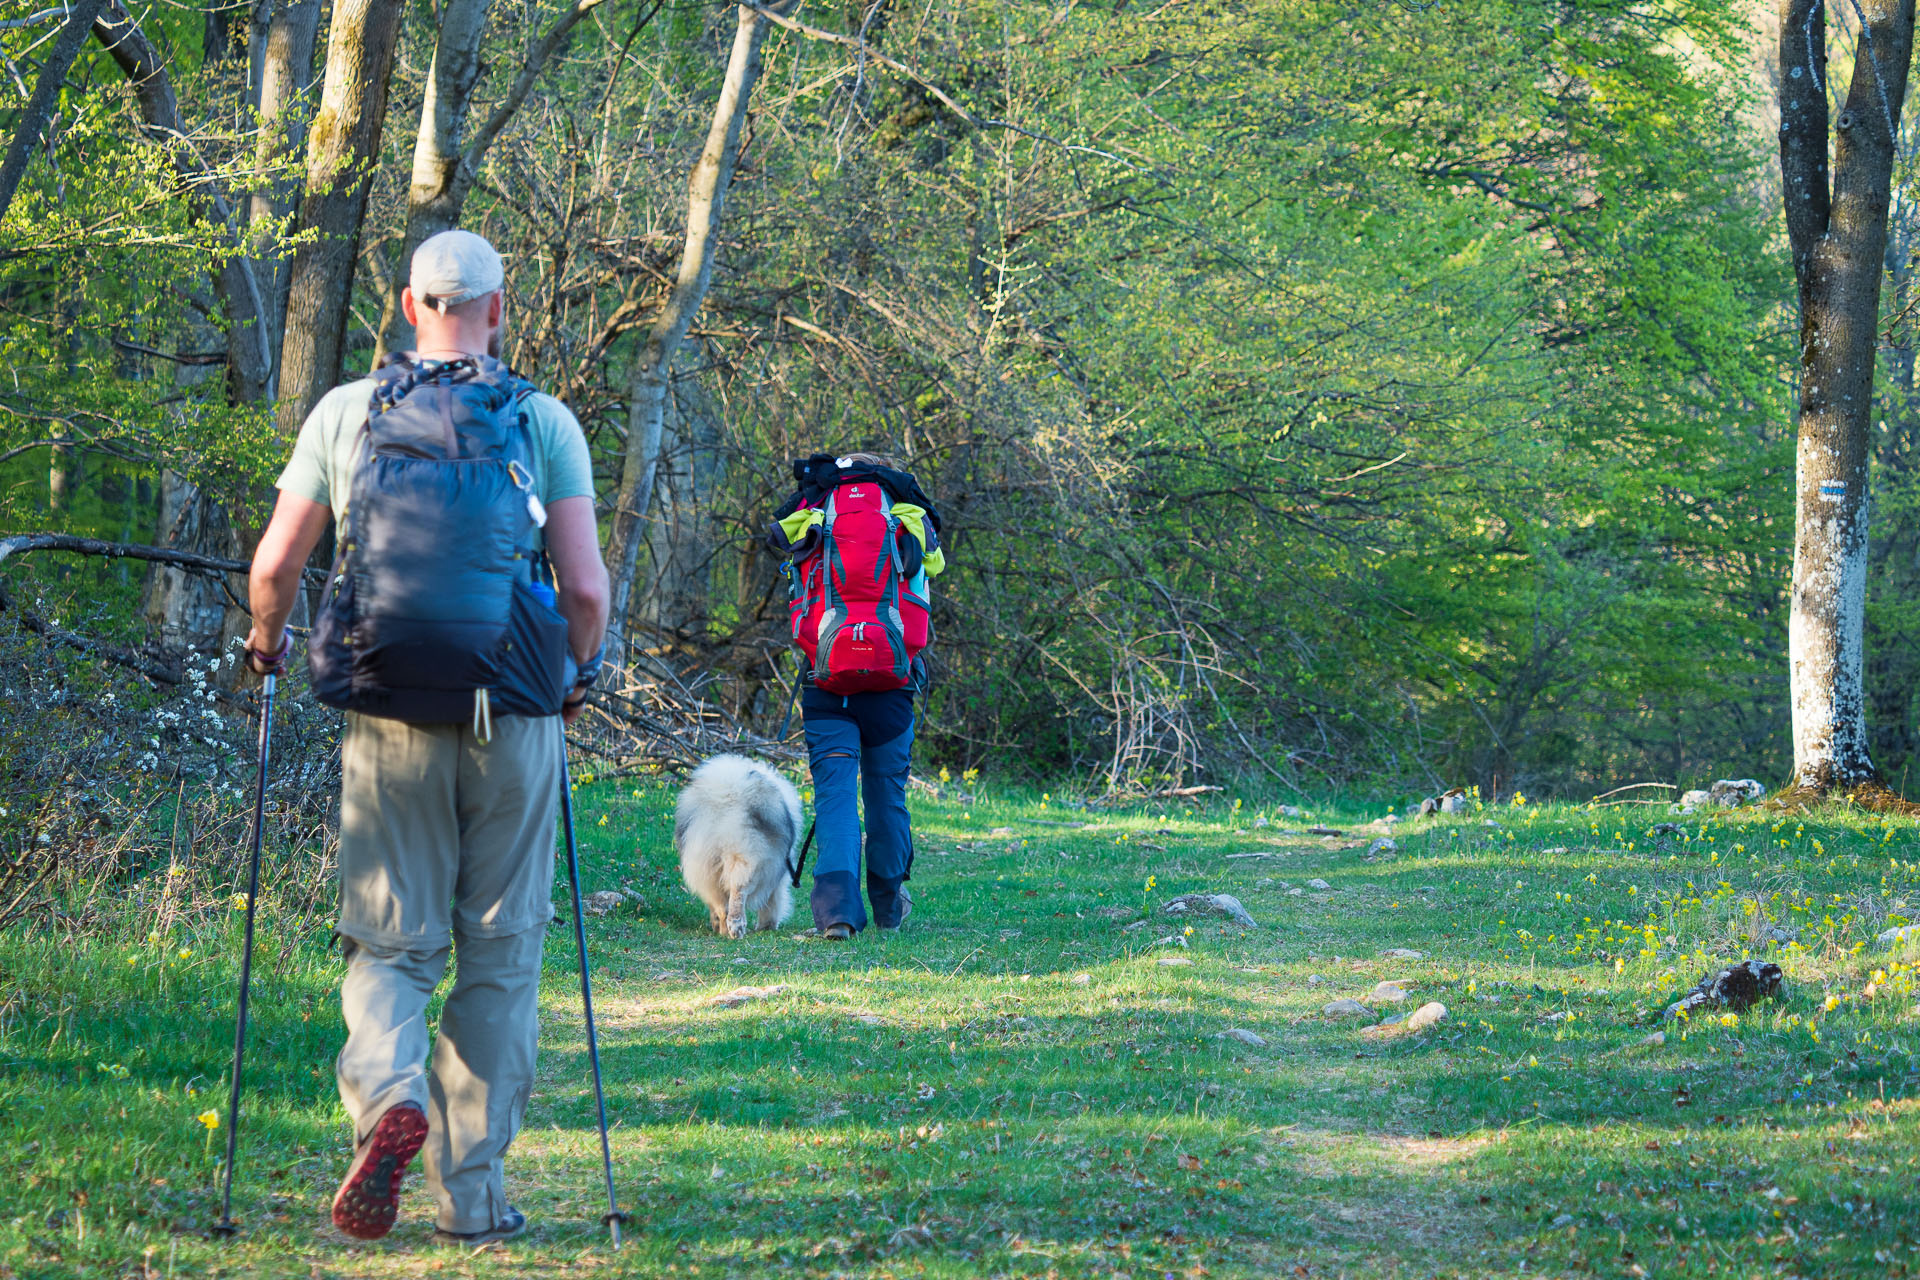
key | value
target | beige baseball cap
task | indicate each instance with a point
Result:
(454, 267)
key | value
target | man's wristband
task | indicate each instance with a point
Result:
(272, 663)
(589, 671)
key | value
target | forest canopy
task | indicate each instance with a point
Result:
(1314, 393)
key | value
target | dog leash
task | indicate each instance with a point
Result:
(795, 868)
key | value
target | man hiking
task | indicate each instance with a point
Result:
(454, 486)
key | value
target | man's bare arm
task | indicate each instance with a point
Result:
(273, 585)
(573, 544)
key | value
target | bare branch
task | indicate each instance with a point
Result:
(192, 561)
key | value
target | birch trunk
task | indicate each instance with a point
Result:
(445, 165)
(435, 196)
(46, 97)
(706, 199)
(1837, 227)
(342, 149)
(282, 74)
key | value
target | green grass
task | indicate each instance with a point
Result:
(1014, 1086)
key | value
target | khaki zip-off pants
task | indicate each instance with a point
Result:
(443, 839)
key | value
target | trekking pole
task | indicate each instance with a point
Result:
(226, 1225)
(613, 1217)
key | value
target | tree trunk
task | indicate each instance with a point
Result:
(681, 541)
(435, 197)
(38, 116)
(341, 152)
(1837, 227)
(187, 610)
(282, 74)
(248, 361)
(1893, 553)
(444, 169)
(706, 198)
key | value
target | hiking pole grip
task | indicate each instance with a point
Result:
(613, 1217)
(225, 1226)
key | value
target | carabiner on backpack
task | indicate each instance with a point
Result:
(524, 482)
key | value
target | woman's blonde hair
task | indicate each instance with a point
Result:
(876, 460)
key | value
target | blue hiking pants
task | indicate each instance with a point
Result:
(859, 745)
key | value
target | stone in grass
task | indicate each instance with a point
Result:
(1081, 979)
(1172, 962)
(1244, 1036)
(1317, 883)
(1401, 953)
(741, 995)
(1003, 831)
(1210, 904)
(599, 904)
(1904, 933)
(1730, 793)
(1735, 987)
(1427, 1015)
(1345, 1008)
(1383, 845)
(1388, 993)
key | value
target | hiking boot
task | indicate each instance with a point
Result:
(906, 909)
(369, 1195)
(837, 932)
(506, 1229)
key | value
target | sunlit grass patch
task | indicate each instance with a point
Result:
(1017, 1085)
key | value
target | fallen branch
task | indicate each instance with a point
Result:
(1172, 793)
(39, 626)
(1635, 786)
(190, 561)
(26, 872)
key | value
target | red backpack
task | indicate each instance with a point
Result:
(856, 616)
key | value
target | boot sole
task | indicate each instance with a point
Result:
(369, 1196)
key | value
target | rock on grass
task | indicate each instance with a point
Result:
(1244, 1036)
(1210, 904)
(1388, 993)
(741, 995)
(1427, 1015)
(1345, 1008)
(1401, 953)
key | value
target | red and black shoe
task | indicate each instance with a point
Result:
(369, 1196)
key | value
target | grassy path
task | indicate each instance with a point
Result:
(1020, 1084)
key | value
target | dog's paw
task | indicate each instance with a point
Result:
(737, 927)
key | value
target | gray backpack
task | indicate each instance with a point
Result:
(439, 608)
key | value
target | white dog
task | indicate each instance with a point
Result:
(735, 828)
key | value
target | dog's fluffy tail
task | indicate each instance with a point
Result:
(736, 827)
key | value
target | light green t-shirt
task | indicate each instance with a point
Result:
(321, 468)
